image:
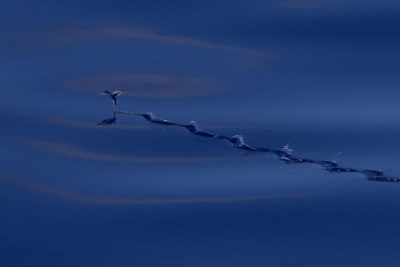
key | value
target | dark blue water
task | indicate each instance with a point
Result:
(319, 76)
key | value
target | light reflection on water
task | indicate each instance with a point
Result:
(86, 181)
(320, 78)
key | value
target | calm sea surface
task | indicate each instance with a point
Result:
(320, 77)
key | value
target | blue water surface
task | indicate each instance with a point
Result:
(319, 76)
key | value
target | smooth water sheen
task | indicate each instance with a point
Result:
(316, 77)
(74, 193)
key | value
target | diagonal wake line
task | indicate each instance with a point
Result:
(238, 142)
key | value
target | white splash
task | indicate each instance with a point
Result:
(287, 149)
